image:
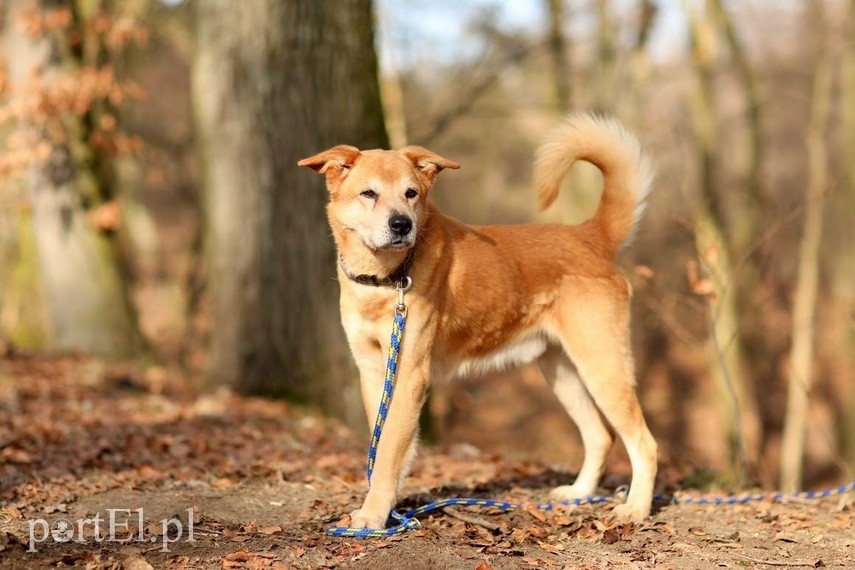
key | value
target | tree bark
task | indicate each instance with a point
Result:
(559, 52)
(736, 393)
(807, 284)
(275, 82)
(605, 72)
(846, 265)
(752, 201)
(391, 87)
(86, 293)
(640, 68)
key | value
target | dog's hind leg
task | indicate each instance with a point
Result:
(596, 337)
(597, 436)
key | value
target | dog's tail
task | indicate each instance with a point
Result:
(627, 172)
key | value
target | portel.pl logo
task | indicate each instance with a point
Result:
(118, 526)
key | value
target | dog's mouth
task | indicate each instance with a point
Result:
(397, 244)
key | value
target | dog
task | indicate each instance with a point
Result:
(488, 297)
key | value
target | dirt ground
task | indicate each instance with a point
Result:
(257, 481)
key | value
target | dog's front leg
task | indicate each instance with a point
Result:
(399, 433)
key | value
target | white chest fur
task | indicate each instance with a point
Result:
(519, 351)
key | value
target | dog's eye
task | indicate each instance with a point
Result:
(370, 194)
(411, 193)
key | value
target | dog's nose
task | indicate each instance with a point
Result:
(400, 225)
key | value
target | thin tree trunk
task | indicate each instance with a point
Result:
(846, 265)
(85, 290)
(640, 64)
(275, 82)
(744, 225)
(753, 200)
(24, 319)
(605, 71)
(736, 394)
(391, 89)
(559, 51)
(807, 284)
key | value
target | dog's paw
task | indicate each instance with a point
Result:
(358, 519)
(569, 493)
(631, 512)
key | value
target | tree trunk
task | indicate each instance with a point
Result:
(634, 94)
(736, 393)
(807, 284)
(605, 72)
(391, 88)
(846, 264)
(275, 82)
(753, 200)
(87, 298)
(559, 53)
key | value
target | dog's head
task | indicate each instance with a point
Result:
(378, 195)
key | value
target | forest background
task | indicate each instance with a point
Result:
(151, 208)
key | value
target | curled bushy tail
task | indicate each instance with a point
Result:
(627, 172)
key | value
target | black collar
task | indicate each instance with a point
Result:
(391, 280)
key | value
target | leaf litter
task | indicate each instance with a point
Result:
(261, 480)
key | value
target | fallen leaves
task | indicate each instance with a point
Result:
(84, 429)
(136, 562)
(251, 560)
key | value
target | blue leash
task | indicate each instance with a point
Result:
(403, 522)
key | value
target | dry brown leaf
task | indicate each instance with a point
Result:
(552, 548)
(643, 271)
(136, 562)
(222, 483)
(12, 512)
(697, 531)
(610, 536)
(15, 455)
(245, 559)
(711, 253)
(107, 217)
(535, 512)
(483, 566)
(699, 285)
(519, 536)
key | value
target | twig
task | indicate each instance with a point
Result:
(480, 86)
(470, 519)
(777, 562)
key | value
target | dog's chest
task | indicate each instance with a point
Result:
(519, 351)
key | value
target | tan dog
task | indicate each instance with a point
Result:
(485, 297)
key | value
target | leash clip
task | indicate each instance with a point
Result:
(402, 287)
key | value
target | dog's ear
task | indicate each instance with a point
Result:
(335, 162)
(429, 163)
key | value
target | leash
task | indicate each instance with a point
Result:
(403, 522)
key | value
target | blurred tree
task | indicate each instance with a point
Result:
(391, 88)
(639, 65)
(846, 263)
(559, 51)
(64, 97)
(744, 229)
(605, 71)
(807, 284)
(737, 399)
(275, 82)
